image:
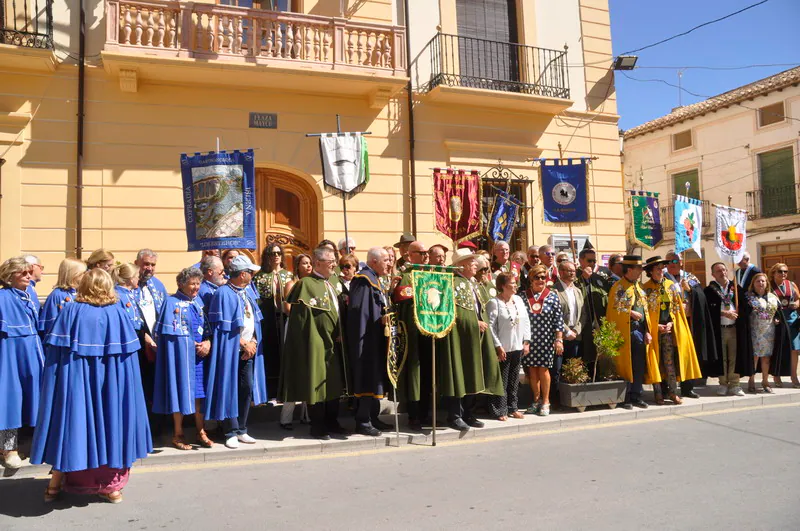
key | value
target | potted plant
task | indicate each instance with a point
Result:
(576, 389)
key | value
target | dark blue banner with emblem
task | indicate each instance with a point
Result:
(503, 218)
(219, 200)
(565, 191)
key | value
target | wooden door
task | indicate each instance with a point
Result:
(287, 214)
(790, 259)
(697, 268)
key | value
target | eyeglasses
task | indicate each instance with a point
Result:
(550, 254)
(591, 261)
(328, 261)
(346, 266)
(483, 270)
(674, 261)
(568, 271)
(561, 260)
(539, 277)
(420, 252)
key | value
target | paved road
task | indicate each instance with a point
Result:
(730, 470)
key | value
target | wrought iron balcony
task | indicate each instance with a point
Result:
(668, 216)
(253, 36)
(773, 202)
(458, 61)
(27, 23)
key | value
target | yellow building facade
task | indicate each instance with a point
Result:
(164, 78)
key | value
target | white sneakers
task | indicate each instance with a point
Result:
(722, 390)
(232, 443)
(738, 391)
(244, 438)
(13, 461)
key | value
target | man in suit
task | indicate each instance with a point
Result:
(576, 318)
(746, 272)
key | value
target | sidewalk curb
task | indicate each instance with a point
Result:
(308, 447)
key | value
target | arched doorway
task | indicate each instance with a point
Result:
(287, 213)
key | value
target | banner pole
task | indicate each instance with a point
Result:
(733, 268)
(396, 418)
(344, 199)
(433, 387)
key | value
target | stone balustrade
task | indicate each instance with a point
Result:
(218, 32)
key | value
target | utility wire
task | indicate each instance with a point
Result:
(679, 87)
(751, 6)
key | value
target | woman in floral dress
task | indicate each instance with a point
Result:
(763, 308)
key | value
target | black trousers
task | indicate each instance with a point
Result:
(324, 416)
(238, 425)
(367, 410)
(459, 407)
(638, 361)
(420, 410)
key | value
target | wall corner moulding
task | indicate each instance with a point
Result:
(11, 123)
(523, 151)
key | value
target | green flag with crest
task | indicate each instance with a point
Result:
(434, 304)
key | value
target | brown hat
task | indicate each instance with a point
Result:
(406, 237)
(654, 261)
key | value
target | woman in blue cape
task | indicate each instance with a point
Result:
(183, 347)
(70, 272)
(235, 377)
(92, 424)
(21, 356)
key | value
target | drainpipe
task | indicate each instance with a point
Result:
(79, 157)
(412, 161)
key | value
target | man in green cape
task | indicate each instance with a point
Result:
(415, 382)
(466, 360)
(313, 367)
(595, 285)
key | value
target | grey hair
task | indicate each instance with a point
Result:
(671, 252)
(481, 260)
(375, 253)
(350, 243)
(209, 262)
(501, 243)
(32, 259)
(188, 274)
(320, 252)
(567, 262)
(546, 247)
(532, 247)
(146, 252)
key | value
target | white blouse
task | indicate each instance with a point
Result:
(509, 323)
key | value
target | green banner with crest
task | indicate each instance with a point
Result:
(434, 304)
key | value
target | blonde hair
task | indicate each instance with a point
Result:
(69, 272)
(100, 255)
(753, 283)
(519, 257)
(11, 267)
(772, 271)
(122, 273)
(96, 288)
(482, 261)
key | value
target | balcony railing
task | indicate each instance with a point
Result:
(27, 23)
(668, 216)
(503, 66)
(208, 31)
(773, 202)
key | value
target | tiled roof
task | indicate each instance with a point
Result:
(732, 97)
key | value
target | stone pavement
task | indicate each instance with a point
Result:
(275, 442)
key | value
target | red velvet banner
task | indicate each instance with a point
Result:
(457, 203)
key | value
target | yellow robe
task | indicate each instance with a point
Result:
(620, 302)
(688, 368)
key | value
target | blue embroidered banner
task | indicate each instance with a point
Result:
(503, 218)
(219, 200)
(688, 224)
(565, 193)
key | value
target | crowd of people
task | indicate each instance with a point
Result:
(110, 353)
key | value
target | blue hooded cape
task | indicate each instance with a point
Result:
(206, 293)
(92, 411)
(21, 359)
(52, 307)
(128, 301)
(226, 317)
(175, 379)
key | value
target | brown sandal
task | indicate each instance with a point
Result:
(203, 440)
(517, 415)
(177, 442)
(51, 494)
(676, 399)
(113, 497)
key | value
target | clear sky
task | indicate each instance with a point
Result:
(767, 34)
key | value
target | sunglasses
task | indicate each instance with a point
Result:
(783, 271)
(539, 277)
(483, 270)
(674, 261)
(420, 252)
(550, 254)
(561, 260)
(591, 261)
(274, 253)
(347, 266)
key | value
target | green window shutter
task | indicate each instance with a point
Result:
(679, 184)
(776, 173)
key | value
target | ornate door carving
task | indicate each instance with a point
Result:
(287, 214)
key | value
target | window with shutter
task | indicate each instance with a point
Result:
(679, 181)
(778, 191)
(487, 30)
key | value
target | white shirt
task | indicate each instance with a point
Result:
(148, 307)
(726, 307)
(509, 323)
(572, 303)
(249, 328)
